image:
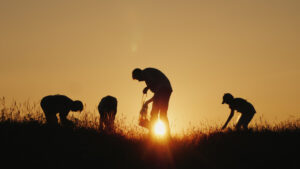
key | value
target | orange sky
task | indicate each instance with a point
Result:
(87, 50)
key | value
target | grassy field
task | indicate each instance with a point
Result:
(27, 142)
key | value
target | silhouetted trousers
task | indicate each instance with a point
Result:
(245, 119)
(160, 106)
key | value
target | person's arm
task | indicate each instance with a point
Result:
(149, 80)
(63, 118)
(145, 90)
(229, 118)
(149, 101)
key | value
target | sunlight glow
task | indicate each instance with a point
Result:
(159, 128)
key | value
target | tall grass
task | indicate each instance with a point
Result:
(30, 111)
(26, 140)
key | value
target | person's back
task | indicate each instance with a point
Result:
(56, 103)
(156, 80)
(241, 105)
(108, 104)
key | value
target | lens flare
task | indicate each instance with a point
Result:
(159, 128)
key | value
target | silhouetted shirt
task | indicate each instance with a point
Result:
(241, 105)
(108, 104)
(57, 104)
(156, 80)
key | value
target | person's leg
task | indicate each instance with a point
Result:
(240, 122)
(49, 112)
(164, 105)
(164, 119)
(64, 121)
(247, 120)
(154, 114)
(244, 120)
(51, 118)
(105, 121)
(101, 121)
(110, 121)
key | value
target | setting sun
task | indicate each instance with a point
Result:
(159, 128)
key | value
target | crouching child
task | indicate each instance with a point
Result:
(62, 105)
(107, 109)
(242, 106)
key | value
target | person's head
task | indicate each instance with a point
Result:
(77, 106)
(227, 98)
(137, 74)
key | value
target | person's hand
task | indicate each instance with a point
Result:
(145, 90)
(146, 103)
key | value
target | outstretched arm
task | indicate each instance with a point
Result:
(229, 118)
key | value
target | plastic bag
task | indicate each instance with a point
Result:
(143, 119)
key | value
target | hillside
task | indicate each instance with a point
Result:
(35, 145)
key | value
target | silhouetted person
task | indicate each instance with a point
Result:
(240, 105)
(61, 104)
(160, 85)
(108, 110)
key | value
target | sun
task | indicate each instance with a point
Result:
(159, 128)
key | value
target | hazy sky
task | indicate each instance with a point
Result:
(88, 49)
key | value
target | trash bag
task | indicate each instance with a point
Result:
(143, 119)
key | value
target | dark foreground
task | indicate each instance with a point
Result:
(34, 145)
